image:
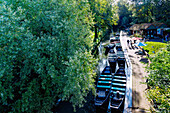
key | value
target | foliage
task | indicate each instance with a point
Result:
(105, 16)
(104, 13)
(154, 46)
(125, 14)
(137, 35)
(159, 80)
(145, 11)
(45, 48)
(151, 11)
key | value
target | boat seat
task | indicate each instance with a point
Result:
(105, 82)
(106, 72)
(121, 55)
(121, 93)
(112, 57)
(120, 73)
(120, 77)
(118, 80)
(105, 78)
(118, 84)
(112, 60)
(101, 86)
(120, 52)
(101, 94)
(106, 75)
(117, 88)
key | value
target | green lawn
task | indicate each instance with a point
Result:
(154, 46)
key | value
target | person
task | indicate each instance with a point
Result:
(166, 37)
(143, 51)
(128, 42)
(131, 43)
(117, 96)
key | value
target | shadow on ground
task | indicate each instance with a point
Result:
(136, 97)
(145, 60)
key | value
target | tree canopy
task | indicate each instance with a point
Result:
(105, 16)
(146, 11)
(45, 49)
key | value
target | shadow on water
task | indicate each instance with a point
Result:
(66, 107)
(104, 110)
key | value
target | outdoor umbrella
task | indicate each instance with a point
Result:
(140, 44)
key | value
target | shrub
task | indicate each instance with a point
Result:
(158, 80)
(137, 35)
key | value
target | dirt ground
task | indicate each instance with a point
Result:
(140, 103)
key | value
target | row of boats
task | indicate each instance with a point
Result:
(111, 84)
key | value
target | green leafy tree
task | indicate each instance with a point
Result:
(45, 48)
(105, 16)
(125, 14)
(159, 80)
(148, 11)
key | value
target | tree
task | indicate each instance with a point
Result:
(148, 11)
(125, 14)
(45, 51)
(105, 16)
(158, 80)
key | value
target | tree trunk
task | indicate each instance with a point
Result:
(96, 34)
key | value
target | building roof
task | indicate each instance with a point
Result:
(144, 26)
(159, 25)
(135, 27)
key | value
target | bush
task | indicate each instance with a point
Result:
(137, 35)
(158, 80)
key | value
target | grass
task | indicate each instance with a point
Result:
(154, 47)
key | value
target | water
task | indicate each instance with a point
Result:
(102, 60)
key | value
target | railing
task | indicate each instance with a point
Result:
(128, 96)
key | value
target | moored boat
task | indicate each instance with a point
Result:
(115, 96)
(112, 58)
(118, 88)
(103, 87)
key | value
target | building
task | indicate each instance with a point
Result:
(149, 30)
(135, 29)
(160, 29)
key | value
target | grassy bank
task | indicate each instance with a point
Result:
(154, 47)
